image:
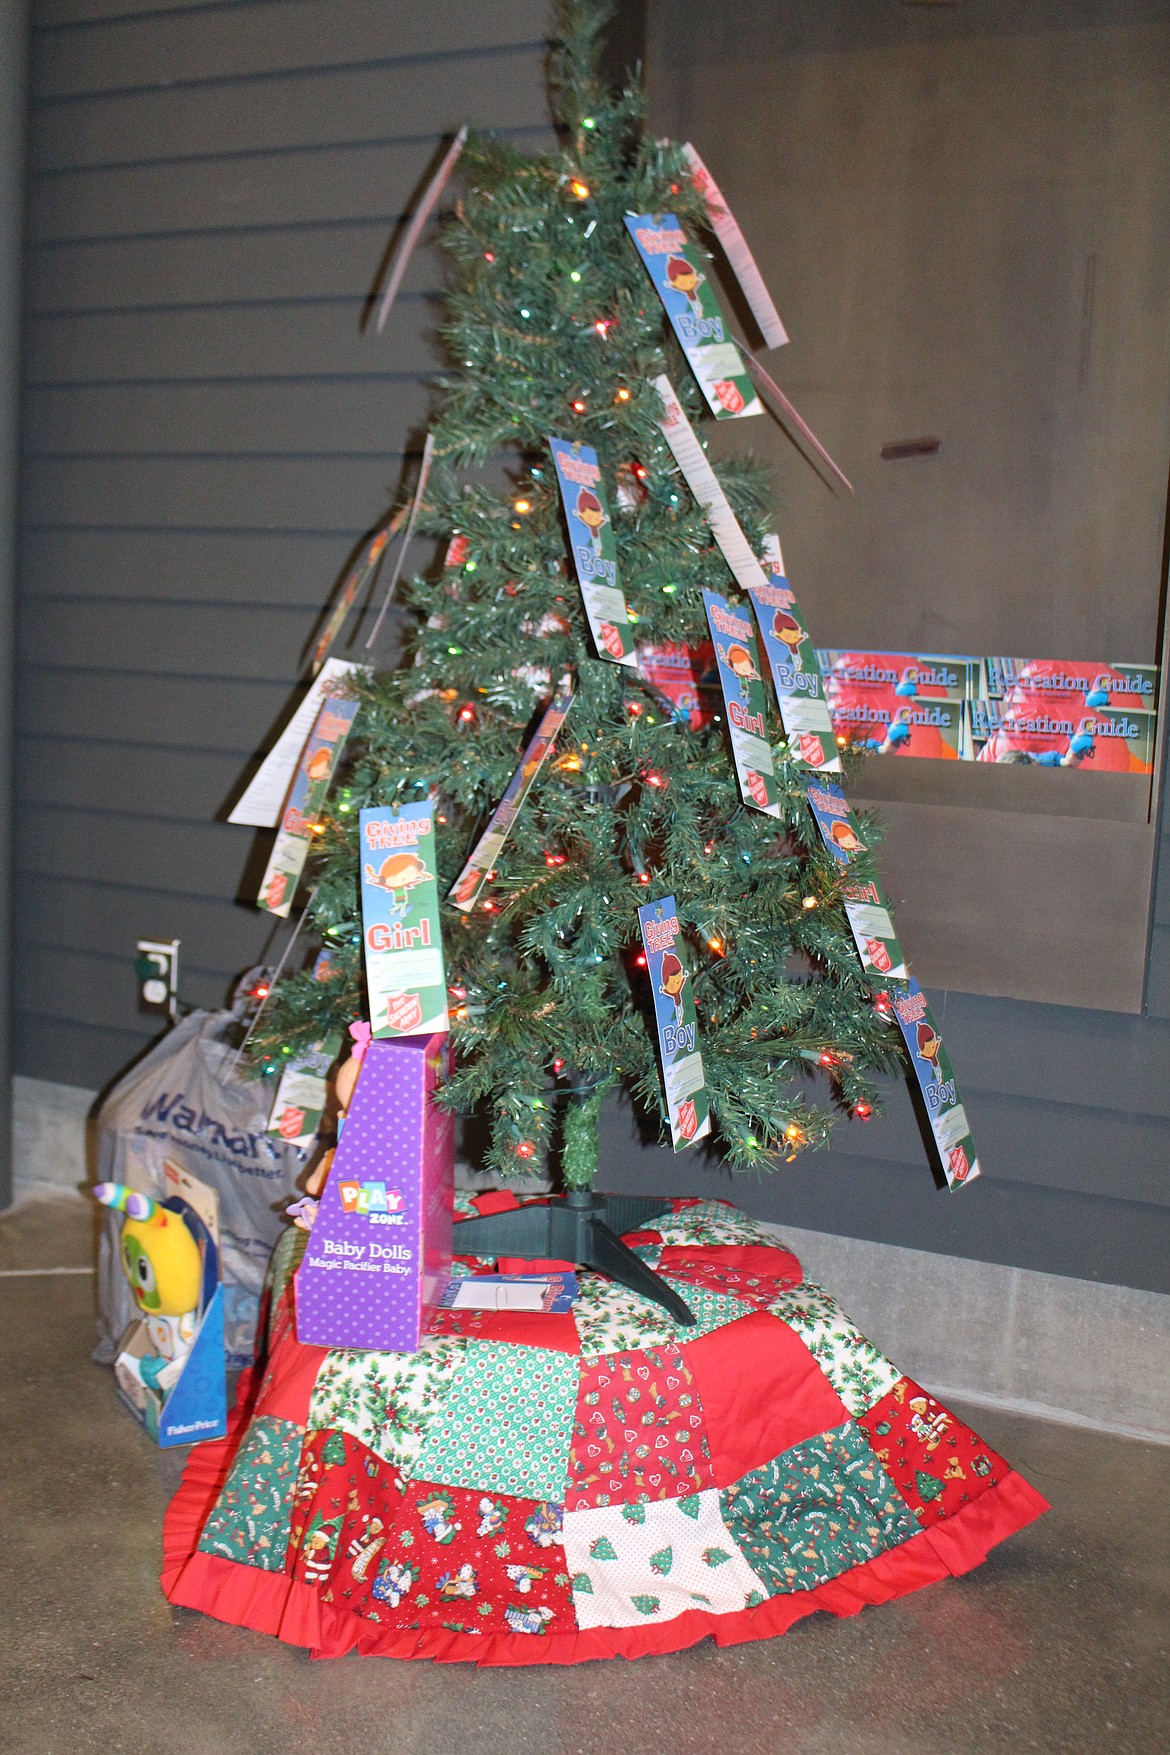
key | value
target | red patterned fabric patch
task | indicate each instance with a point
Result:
(748, 1271)
(937, 1464)
(762, 1392)
(639, 1432)
(410, 1553)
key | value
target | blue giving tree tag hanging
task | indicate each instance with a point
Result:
(405, 978)
(936, 1080)
(796, 670)
(866, 907)
(738, 658)
(688, 298)
(678, 1030)
(594, 548)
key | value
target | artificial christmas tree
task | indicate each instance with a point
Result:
(557, 340)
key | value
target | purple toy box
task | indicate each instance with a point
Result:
(380, 1248)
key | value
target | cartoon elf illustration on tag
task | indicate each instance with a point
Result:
(739, 661)
(683, 277)
(927, 1048)
(593, 516)
(672, 979)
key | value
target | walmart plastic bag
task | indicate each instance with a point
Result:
(183, 1103)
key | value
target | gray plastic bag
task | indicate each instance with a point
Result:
(182, 1102)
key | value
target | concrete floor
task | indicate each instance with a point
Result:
(1060, 1643)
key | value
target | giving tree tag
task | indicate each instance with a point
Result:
(867, 909)
(303, 806)
(688, 298)
(300, 1096)
(738, 659)
(674, 1015)
(487, 849)
(936, 1080)
(405, 978)
(591, 540)
(796, 671)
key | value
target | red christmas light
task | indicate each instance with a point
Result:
(634, 709)
(525, 1149)
(558, 1066)
(643, 877)
(653, 779)
(640, 960)
(863, 1111)
(577, 406)
(828, 1059)
(489, 255)
(467, 713)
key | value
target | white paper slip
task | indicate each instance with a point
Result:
(264, 796)
(870, 920)
(743, 264)
(421, 968)
(804, 713)
(474, 1294)
(704, 484)
(685, 1077)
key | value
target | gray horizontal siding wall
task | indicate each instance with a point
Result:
(207, 432)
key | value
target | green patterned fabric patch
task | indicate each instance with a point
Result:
(611, 1319)
(386, 1400)
(506, 1424)
(250, 1519)
(712, 1221)
(857, 1371)
(282, 1265)
(815, 1511)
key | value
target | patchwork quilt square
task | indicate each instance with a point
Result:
(250, 1519)
(468, 1561)
(506, 1423)
(816, 1511)
(858, 1372)
(385, 1400)
(611, 1319)
(761, 1391)
(632, 1564)
(937, 1463)
(639, 1431)
(711, 1221)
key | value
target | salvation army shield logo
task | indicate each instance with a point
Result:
(610, 639)
(757, 788)
(729, 396)
(292, 1123)
(812, 750)
(960, 1166)
(404, 1013)
(688, 1120)
(878, 955)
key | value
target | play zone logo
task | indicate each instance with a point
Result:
(369, 1197)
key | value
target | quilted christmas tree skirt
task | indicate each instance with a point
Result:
(549, 1489)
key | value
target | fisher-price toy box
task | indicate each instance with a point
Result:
(379, 1252)
(185, 1403)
